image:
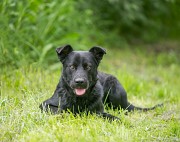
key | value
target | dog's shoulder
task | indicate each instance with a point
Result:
(103, 76)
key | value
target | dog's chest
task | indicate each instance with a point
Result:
(76, 104)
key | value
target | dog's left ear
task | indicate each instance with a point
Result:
(98, 52)
(62, 52)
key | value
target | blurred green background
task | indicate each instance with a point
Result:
(31, 30)
(143, 52)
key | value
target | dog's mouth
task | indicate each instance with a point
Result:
(80, 91)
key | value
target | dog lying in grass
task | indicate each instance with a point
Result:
(82, 88)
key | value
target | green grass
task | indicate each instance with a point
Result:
(148, 79)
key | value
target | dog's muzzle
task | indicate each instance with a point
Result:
(80, 86)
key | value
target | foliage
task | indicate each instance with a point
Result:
(31, 30)
(147, 20)
(146, 83)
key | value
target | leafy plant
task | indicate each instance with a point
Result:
(31, 30)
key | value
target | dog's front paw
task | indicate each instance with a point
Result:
(49, 108)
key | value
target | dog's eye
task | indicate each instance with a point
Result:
(72, 67)
(88, 67)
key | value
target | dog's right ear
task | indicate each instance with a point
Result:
(62, 52)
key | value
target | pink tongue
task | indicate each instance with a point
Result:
(80, 92)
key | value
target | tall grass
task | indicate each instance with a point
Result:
(31, 30)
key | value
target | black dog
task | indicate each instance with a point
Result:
(83, 89)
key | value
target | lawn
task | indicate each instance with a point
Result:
(148, 77)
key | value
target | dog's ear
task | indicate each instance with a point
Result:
(98, 52)
(62, 52)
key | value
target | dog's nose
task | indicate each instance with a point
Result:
(79, 80)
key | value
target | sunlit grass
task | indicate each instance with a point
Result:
(24, 89)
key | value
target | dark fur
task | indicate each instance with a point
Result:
(80, 71)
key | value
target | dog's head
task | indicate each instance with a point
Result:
(80, 67)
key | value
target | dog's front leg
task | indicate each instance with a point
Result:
(98, 108)
(52, 104)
